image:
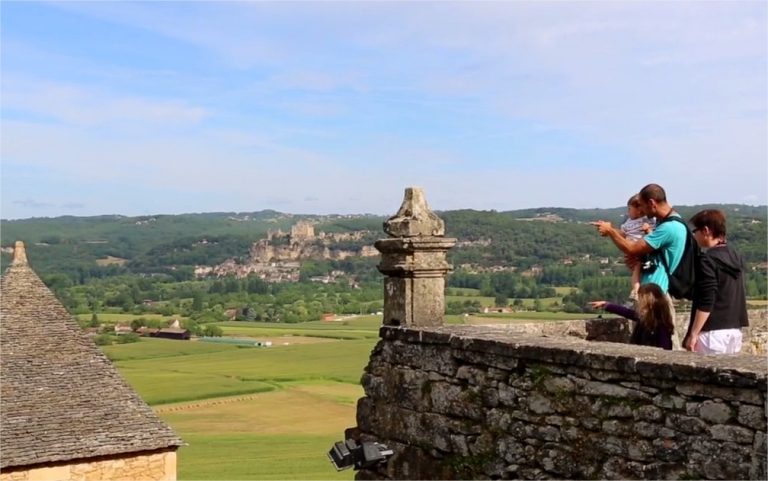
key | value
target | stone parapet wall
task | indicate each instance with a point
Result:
(157, 466)
(610, 329)
(755, 335)
(464, 402)
(617, 329)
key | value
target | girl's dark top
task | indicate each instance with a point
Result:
(661, 337)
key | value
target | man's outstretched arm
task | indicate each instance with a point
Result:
(629, 248)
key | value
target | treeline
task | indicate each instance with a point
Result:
(216, 299)
(153, 260)
(174, 244)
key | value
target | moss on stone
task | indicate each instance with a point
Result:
(539, 374)
(469, 467)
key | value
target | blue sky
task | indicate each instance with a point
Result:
(141, 108)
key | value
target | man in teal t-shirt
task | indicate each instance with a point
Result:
(668, 240)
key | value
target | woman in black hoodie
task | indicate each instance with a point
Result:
(719, 308)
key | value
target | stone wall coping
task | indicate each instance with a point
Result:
(742, 370)
(411, 244)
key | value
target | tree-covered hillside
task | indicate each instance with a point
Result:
(175, 243)
(144, 265)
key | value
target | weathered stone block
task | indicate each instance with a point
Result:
(715, 412)
(557, 460)
(591, 423)
(640, 450)
(558, 385)
(459, 444)
(639, 387)
(721, 468)
(667, 470)
(482, 444)
(472, 374)
(750, 396)
(620, 410)
(616, 427)
(736, 434)
(456, 400)
(669, 402)
(620, 468)
(573, 433)
(648, 413)
(540, 404)
(499, 418)
(613, 445)
(489, 397)
(507, 395)
(425, 357)
(554, 420)
(759, 446)
(646, 430)
(666, 449)
(686, 424)
(546, 433)
(596, 388)
(752, 416)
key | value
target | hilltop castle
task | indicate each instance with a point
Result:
(277, 257)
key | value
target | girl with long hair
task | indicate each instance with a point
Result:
(653, 318)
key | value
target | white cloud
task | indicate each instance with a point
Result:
(679, 87)
(89, 107)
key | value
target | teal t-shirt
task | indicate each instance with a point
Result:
(668, 239)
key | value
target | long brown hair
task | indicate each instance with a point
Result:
(653, 308)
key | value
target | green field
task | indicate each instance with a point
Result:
(278, 435)
(358, 327)
(252, 413)
(534, 316)
(462, 294)
(262, 413)
(224, 370)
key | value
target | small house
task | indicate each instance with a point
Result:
(173, 333)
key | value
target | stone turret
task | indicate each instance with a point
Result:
(302, 231)
(413, 261)
(19, 254)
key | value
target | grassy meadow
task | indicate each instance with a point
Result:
(461, 294)
(248, 412)
(263, 412)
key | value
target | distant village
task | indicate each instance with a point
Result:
(278, 257)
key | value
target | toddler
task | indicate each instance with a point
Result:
(635, 228)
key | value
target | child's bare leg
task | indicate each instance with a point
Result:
(636, 271)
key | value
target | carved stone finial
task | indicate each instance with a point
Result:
(414, 218)
(413, 261)
(19, 254)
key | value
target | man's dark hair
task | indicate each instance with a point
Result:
(712, 218)
(653, 191)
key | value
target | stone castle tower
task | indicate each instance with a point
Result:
(302, 231)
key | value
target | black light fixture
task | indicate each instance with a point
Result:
(349, 454)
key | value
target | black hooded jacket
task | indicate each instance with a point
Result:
(720, 289)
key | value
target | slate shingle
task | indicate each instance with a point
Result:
(60, 397)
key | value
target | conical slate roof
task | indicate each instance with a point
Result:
(61, 399)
